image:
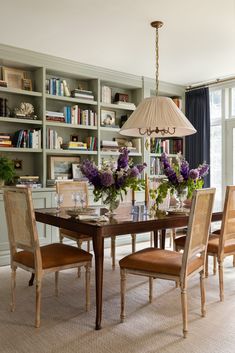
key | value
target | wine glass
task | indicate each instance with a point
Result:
(75, 199)
(59, 198)
(82, 198)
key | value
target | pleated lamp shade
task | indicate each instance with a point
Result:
(157, 117)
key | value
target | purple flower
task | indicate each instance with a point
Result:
(106, 179)
(194, 174)
(184, 169)
(134, 172)
(123, 158)
(164, 161)
(203, 170)
(171, 174)
(141, 167)
(120, 182)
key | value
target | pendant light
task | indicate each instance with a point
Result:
(157, 116)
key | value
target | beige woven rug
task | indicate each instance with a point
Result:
(156, 327)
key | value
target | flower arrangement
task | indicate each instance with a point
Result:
(179, 177)
(111, 180)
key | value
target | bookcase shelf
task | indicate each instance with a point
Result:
(20, 121)
(79, 77)
(71, 126)
(68, 152)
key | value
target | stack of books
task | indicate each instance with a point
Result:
(83, 94)
(55, 116)
(77, 116)
(5, 140)
(75, 145)
(29, 180)
(109, 146)
(126, 105)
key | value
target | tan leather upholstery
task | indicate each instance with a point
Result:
(54, 255)
(158, 261)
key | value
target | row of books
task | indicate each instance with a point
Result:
(30, 138)
(73, 115)
(57, 87)
(54, 141)
(171, 146)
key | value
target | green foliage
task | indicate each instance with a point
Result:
(7, 171)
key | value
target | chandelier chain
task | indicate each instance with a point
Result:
(157, 63)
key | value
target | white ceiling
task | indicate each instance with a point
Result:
(197, 41)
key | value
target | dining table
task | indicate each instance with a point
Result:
(127, 220)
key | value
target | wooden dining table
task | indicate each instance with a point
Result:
(126, 221)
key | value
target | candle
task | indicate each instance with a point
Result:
(146, 190)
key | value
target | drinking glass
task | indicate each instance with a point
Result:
(75, 199)
(82, 198)
(59, 198)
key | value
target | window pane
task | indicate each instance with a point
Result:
(215, 105)
(233, 101)
(216, 164)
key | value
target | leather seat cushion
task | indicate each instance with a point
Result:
(74, 235)
(180, 242)
(158, 261)
(54, 255)
(213, 244)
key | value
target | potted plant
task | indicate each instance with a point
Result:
(7, 171)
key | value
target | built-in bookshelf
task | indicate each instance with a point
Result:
(78, 111)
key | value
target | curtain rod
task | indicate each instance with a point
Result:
(211, 83)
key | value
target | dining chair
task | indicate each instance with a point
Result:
(26, 252)
(172, 265)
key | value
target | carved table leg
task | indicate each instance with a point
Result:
(155, 238)
(163, 238)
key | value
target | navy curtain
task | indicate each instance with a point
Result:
(197, 110)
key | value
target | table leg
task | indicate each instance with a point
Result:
(98, 246)
(155, 238)
(163, 238)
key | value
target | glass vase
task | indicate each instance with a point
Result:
(181, 196)
(111, 202)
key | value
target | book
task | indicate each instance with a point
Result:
(82, 95)
(106, 94)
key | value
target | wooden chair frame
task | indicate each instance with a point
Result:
(196, 243)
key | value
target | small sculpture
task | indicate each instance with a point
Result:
(25, 110)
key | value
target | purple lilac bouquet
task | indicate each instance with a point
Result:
(111, 180)
(180, 176)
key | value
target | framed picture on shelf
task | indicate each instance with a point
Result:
(107, 118)
(60, 167)
(76, 170)
(13, 77)
(27, 84)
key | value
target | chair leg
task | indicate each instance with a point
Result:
(113, 251)
(206, 265)
(221, 279)
(31, 279)
(151, 239)
(203, 293)
(150, 289)
(79, 244)
(184, 309)
(233, 260)
(214, 264)
(88, 246)
(56, 283)
(13, 287)
(88, 287)
(123, 290)
(61, 238)
(173, 236)
(38, 300)
(133, 242)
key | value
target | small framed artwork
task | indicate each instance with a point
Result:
(74, 138)
(13, 77)
(60, 167)
(18, 164)
(107, 118)
(27, 84)
(76, 169)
